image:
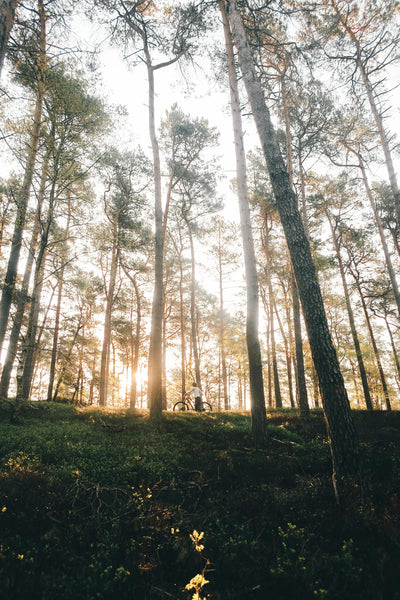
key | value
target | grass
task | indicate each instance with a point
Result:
(98, 504)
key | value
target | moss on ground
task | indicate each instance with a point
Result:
(99, 504)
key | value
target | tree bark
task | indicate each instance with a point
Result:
(258, 412)
(341, 430)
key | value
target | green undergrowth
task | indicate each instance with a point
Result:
(100, 504)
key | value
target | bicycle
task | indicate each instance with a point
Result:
(187, 404)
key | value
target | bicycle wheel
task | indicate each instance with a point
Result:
(206, 407)
(180, 406)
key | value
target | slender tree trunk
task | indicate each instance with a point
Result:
(375, 112)
(12, 267)
(258, 412)
(222, 325)
(193, 319)
(136, 349)
(7, 17)
(105, 351)
(23, 294)
(164, 359)
(66, 360)
(269, 361)
(271, 299)
(155, 350)
(30, 346)
(341, 430)
(374, 346)
(56, 333)
(361, 366)
(182, 326)
(24, 383)
(378, 221)
(287, 355)
(91, 388)
(301, 386)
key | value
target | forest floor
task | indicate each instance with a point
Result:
(100, 504)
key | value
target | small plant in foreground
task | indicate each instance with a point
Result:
(198, 581)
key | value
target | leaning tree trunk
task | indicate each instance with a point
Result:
(258, 412)
(31, 343)
(342, 434)
(361, 366)
(7, 18)
(12, 267)
(29, 352)
(23, 294)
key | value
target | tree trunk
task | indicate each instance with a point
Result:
(24, 383)
(193, 319)
(56, 333)
(23, 294)
(341, 430)
(12, 267)
(379, 225)
(258, 412)
(136, 352)
(155, 350)
(375, 112)
(7, 17)
(361, 367)
(277, 387)
(66, 359)
(374, 346)
(301, 386)
(30, 345)
(110, 297)
(222, 325)
(287, 355)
